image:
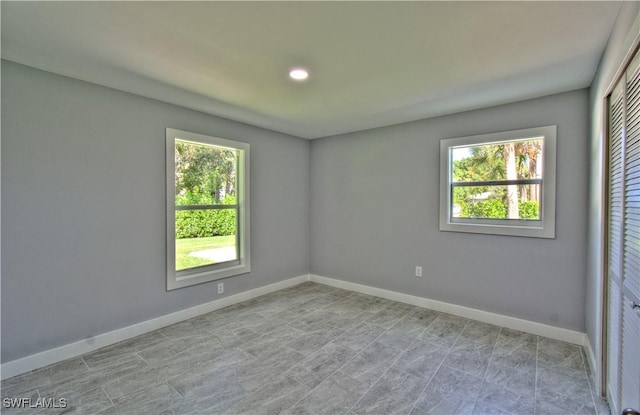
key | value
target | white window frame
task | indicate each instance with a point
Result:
(543, 228)
(184, 278)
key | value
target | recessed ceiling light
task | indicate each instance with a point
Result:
(298, 74)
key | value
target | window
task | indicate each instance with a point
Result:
(500, 183)
(207, 208)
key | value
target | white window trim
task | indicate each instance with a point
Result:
(544, 228)
(243, 265)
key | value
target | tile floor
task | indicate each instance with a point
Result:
(314, 349)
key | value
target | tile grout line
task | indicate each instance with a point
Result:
(109, 397)
(416, 340)
(395, 361)
(591, 388)
(297, 318)
(309, 357)
(284, 374)
(439, 366)
(356, 354)
(535, 388)
(144, 361)
(379, 377)
(484, 376)
(176, 390)
(159, 331)
(341, 366)
(85, 362)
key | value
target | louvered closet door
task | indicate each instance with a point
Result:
(615, 232)
(623, 265)
(630, 344)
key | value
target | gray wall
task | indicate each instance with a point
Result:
(83, 223)
(626, 29)
(83, 229)
(374, 216)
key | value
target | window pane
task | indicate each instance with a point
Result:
(208, 227)
(205, 237)
(205, 174)
(497, 202)
(509, 160)
(502, 183)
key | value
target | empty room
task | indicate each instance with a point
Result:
(320, 207)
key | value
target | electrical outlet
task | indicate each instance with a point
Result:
(220, 287)
(418, 271)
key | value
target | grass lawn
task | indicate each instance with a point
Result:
(185, 246)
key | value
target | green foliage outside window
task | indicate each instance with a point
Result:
(206, 222)
(529, 210)
(205, 175)
(497, 209)
(496, 162)
(493, 208)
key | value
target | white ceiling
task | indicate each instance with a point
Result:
(371, 63)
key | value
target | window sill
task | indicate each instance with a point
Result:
(534, 230)
(206, 276)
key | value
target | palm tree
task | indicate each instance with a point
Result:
(513, 209)
(533, 152)
(515, 160)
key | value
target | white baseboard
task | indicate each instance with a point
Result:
(592, 362)
(591, 357)
(539, 329)
(78, 348)
(81, 347)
